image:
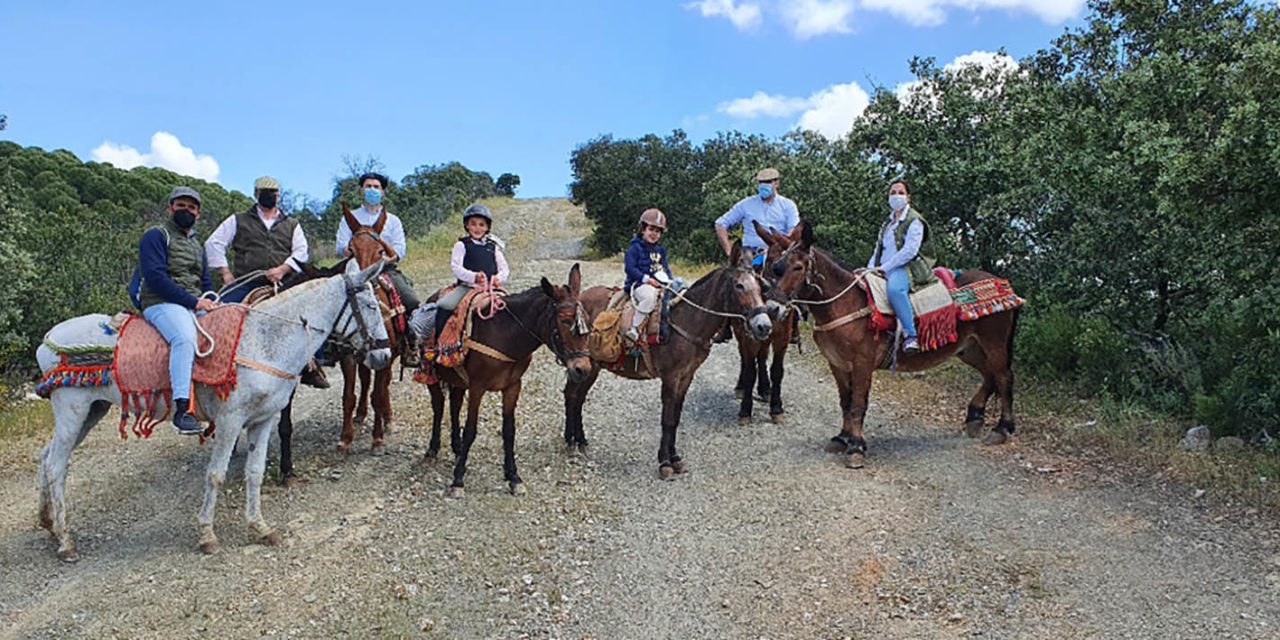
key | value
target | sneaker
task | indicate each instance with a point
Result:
(183, 422)
(313, 376)
(633, 335)
(910, 346)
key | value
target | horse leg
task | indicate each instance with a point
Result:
(228, 432)
(998, 368)
(575, 395)
(973, 355)
(348, 404)
(287, 476)
(254, 467)
(762, 371)
(510, 397)
(780, 344)
(673, 391)
(455, 429)
(860, 390)
(362, 410)
(677, 462)
(437, 416)
(381, 410)
(468, 437)
(73, 418)
(746, 377)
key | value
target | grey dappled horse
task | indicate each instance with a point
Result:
(281, 333)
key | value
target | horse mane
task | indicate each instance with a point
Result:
(835, 260)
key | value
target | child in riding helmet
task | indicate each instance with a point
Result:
(646, 266)
(476, 259)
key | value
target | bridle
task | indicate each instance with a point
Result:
(564, 311)
(341, 337)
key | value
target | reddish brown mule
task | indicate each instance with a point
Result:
(367, 247)
(853, 350)
(753, 357)
(547, 315)
(732, 291)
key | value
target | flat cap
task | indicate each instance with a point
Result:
(266, 182)
(768, 173)
(183, 192)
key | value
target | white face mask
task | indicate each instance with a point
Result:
(897, 202)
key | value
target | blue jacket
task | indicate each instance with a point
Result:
(643, 260)
(153, 255)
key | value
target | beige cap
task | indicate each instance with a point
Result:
(266, 182)
(768, 173)
(654, 218)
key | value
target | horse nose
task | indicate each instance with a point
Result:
(775, 310)
(779, 268)
(579, 369)
(378, 359)
(761, 326)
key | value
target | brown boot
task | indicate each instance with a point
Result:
(313, 376)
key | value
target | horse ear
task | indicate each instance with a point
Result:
(735, 254)
(548, 288)
(794, 236)
(381, 222)
(352, 224)
(806, 234)
(765, 234)
(368, 274)
(575, 280)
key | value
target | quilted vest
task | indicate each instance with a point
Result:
(186, 264)
(257, 248)
(920, 268)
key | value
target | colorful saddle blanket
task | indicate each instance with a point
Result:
(451, 346)
(935, 312)
(141, 364)
(985, 297)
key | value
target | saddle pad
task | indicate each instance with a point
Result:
(985, 297)
(141, 363)
(451, 345)
(936, 313)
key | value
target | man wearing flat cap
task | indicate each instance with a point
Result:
(767, 207)
(267, 247)
(173, 279)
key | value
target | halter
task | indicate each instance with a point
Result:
(755, 311)
(342, 337)
(564, 310)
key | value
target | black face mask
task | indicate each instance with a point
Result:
(267, 199)
(184, 218)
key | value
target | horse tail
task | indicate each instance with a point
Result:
(1013, 331)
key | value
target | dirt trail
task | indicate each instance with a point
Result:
(766, 537)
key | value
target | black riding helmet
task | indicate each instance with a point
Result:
(477, 210)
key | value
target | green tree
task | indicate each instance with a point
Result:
(507, 184)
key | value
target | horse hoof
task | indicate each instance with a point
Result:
(432, 454)
(761, 397)
(835, 446)
(666, 472)
(68, 555)
(678, 466)
(744, 421)
(359, 419)
(344, 448)
(291, 481)
(209, 546)
(46, 522)
(379, 448)
(457, 492)
(973, 429)
(778, 418)
(855, 460)
(995, 438)
(737, 394)
(517, 488)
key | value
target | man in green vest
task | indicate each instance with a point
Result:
(904, 254)
(267, 247)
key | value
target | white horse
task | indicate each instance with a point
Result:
(279, 334)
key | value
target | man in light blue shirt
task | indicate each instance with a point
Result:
(772, 211)
(768, 208)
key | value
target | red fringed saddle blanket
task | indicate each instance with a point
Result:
(939, 306)
(395, 311)
(141, 365)
(450, 349)
(985, 297)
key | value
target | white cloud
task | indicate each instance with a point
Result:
(166, 152)
(933, 12)
(990, 62)
(809, 18)
(763, 104)
(745, 16)
(833, 110)
(830, 111)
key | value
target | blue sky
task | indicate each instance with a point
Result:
(234, 90)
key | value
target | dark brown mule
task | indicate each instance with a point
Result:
(367, 247)
(547, 315)
(732, 291)
(753, 355)
(853, 350)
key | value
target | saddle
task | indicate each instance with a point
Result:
(936, 313)
(141, 364)
(608, 342)
(453, 343)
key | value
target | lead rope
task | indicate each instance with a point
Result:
(496, 303)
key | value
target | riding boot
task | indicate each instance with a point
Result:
(409, 356)
(313, 376)
(726, 332)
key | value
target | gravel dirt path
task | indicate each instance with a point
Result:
(765, 537)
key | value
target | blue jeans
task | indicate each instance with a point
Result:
(178, 327)
(900, 300)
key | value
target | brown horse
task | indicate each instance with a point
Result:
(541, 315)
(853, 350)
(367, 247)
(753, 357)
(732, 291)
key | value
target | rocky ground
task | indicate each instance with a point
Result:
(765, 537)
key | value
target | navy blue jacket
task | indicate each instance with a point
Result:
(153, 262)
(643, 260)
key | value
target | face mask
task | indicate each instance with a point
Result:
(897, 202)
(267, 199)
(766, 190)
(184, 218)
(372, 196)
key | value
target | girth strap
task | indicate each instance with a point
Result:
(265, 368)
(488, 350)
(843, 320)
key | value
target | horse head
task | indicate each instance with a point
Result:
(360, 322)
(746, 293)
(570, 329)
(788, 261)
(367, 245)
